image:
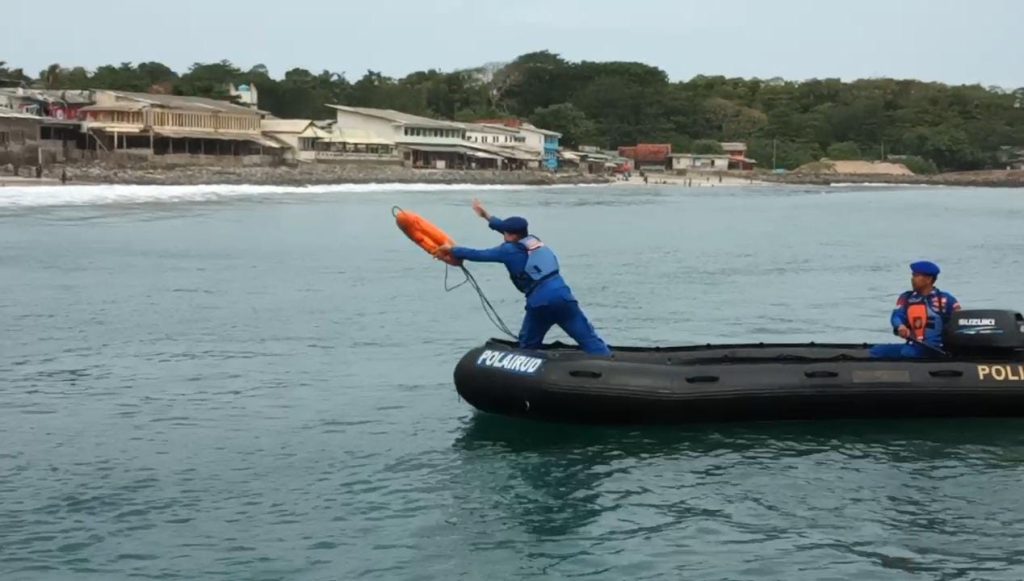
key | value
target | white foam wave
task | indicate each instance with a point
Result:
(876, 185)
(87, 195)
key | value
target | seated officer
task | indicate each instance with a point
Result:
(920, 316)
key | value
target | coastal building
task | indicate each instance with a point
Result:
(52, 104)
(245, 94)
(569, 159)
(542, 143)
(737, 152)
(302, 139)
(499, 142)
(61, 140)
(508, 144)
(60, 137)
(700, 162)
(155, 125)
(493, 135)
(420, 142)
(622, 164)
(353, 145)
(593, 160)
(733, 148)
(358, 145)
(19, 138)
(649, 156)
(551, 149)
(659, 156)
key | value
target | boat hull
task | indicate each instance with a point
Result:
(733, 383)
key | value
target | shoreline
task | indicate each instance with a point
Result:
(979, 179)
(98, 173)
(94, 174)
(303, 175)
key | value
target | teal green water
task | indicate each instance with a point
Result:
(238, 383)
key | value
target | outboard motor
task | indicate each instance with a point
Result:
(985, 332)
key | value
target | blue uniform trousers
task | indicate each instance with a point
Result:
(567, 315)
(900, 351)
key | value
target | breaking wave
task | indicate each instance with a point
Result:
(89, 195)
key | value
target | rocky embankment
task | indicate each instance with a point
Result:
(311, 174)
(988, 178)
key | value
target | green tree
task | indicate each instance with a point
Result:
(532, 81)
(123, 77)
(11, 77)
(705, 147)
(844, 150)
(211, 80)
(919, 165)
(730, 121)
(616, 103)
(948, 146)
(787, 154)
(52, 77)
(565, 118)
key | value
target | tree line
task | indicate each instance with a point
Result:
(607, 104)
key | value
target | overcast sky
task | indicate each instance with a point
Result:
(964, 41)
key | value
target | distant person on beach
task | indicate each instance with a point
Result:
(919, 316)
(534, 270)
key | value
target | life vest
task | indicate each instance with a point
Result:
(927, 316)
(541, 264)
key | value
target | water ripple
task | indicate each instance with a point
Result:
(257, 385)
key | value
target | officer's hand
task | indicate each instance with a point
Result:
(442, 250)
(479, 209)
(903, 331)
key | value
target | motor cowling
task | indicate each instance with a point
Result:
(984, 331)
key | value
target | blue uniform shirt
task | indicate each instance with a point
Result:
(513, 256)
(940, 306)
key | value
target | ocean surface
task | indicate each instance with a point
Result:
(256, 383)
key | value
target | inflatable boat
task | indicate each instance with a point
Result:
(980, 374)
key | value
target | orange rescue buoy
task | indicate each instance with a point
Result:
(424, 234)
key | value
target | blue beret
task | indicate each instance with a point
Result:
(925, 267)
(512, 225)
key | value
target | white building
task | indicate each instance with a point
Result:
(422, 142)
(494, 135)
(541, 144)
(698, 162)
(527, 136)
(246, 95)
(301, 137)
(398, 127)
(535, 137)
(507, 142)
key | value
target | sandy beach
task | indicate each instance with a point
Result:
(695, 180)
(22, 182)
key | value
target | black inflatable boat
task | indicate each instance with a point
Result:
(981, 375)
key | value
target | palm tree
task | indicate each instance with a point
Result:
(52, 76)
